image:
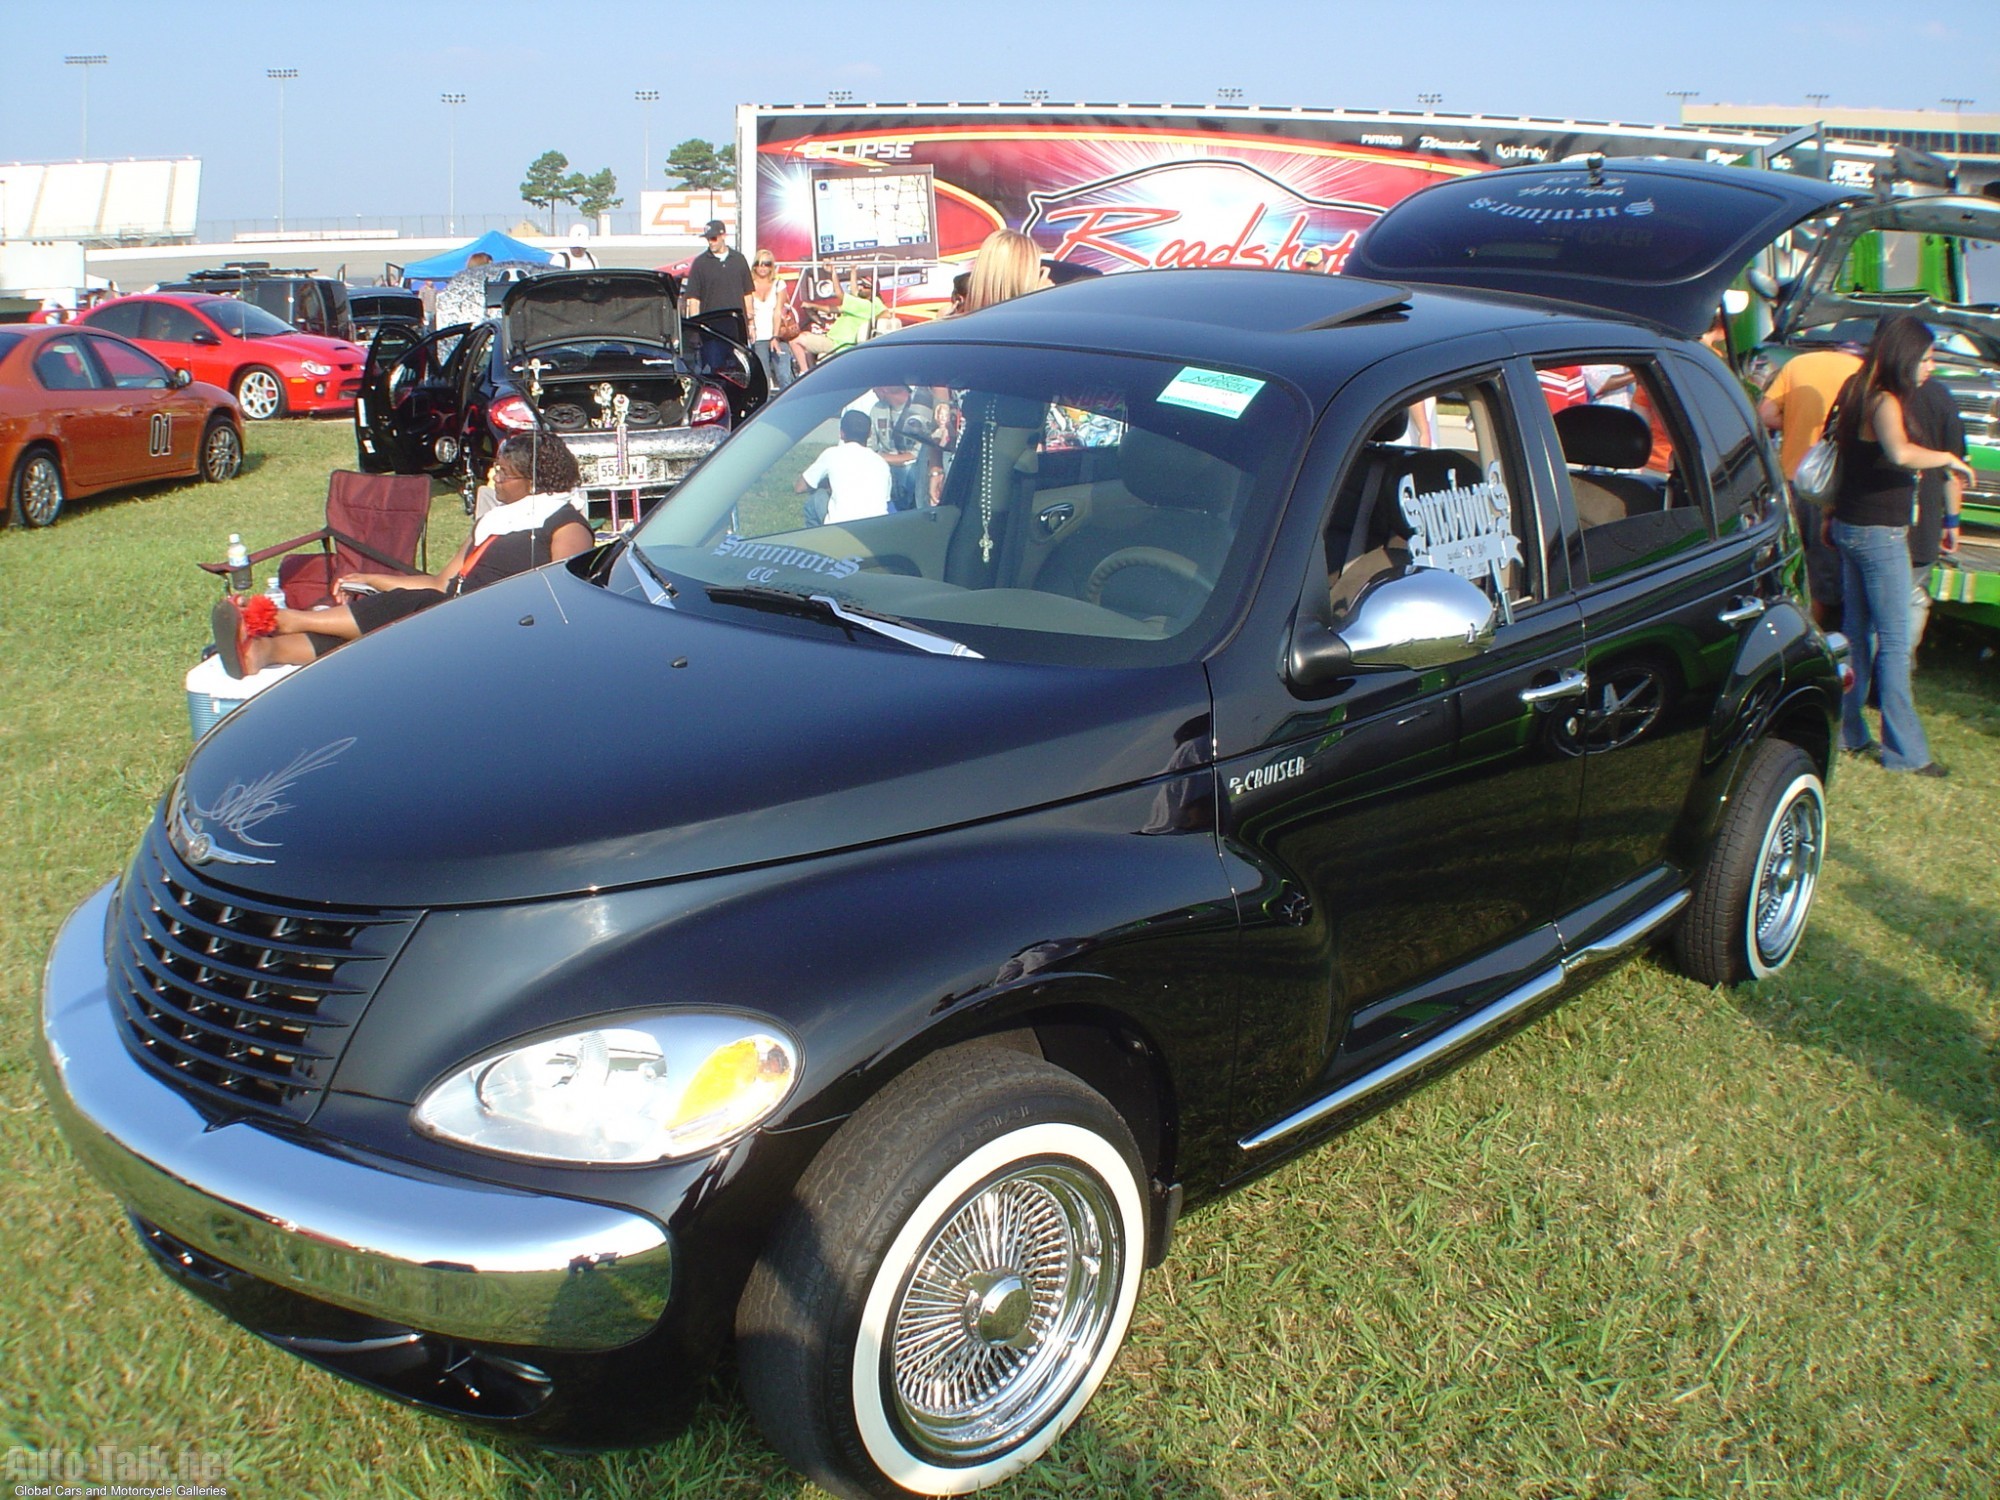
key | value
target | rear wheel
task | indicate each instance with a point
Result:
(261, 394)
(36, 498)
(951, 1282)
(1751, 900)
(221, 451)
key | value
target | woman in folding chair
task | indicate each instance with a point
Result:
(539, 520)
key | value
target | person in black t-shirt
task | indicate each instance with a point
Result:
(539, 520)
(1933, 421)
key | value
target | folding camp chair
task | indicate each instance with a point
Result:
(374, 523)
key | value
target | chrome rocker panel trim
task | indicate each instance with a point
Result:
(463, 1259)
(1612, 946)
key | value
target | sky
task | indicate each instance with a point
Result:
(365, 133)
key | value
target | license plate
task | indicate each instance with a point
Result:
(639, 468)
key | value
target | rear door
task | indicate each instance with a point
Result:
(1658, 240)
(1669, 593)
(86, 413)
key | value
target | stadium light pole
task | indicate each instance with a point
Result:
(1229, 96)
(1818, 101)
(451, 103)
(281, 76)
(85, 61)
(1683, 95)
(1035, 96)
(1430, 100)
(648, 98)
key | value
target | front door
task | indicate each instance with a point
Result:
(1412, 828)
(404, 390)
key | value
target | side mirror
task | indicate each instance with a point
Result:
(1763, 284)
(179, 379)
(1420, 618)
(203, 337)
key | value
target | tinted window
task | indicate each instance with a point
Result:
(243, 320)
(1629, 455)
(7, 342)
(1091, 509)
(64, 365)
(119, 317)
(1739, 482)
(1640, 229)
(1438, 485)
(171, 324)
(129, 369)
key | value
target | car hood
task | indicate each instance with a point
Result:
(591, 304)
(1638, 237)
(545, 737)
(309, 346)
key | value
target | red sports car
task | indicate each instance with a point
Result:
(81, 411)
(272, 369)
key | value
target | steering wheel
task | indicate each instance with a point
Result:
(1142, 557)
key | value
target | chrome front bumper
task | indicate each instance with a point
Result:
(454, 1257)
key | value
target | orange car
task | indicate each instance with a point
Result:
(82, 411)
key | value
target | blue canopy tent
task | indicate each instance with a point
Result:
(448, 263)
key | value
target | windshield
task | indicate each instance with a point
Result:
(1031, 504)
(243, 320)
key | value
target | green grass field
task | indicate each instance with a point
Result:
(1670, 1242)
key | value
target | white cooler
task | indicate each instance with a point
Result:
(212, 692)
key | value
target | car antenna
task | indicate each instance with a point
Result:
(1594, 164)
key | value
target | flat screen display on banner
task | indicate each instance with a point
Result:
(891, 211)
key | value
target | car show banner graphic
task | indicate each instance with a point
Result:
(1121, 188)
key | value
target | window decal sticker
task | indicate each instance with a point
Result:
(1466, 528)
(1213, 391)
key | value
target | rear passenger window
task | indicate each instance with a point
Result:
(1626, 446)
(1739, 479)
(1437, 485)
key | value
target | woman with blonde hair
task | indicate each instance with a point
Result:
(1009, 264)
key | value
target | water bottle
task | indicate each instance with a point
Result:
(238, 561)
(275, 592)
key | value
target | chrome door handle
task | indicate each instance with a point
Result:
(1742, 611)
(1569, 684)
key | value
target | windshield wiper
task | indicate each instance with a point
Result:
(659, 588)
(826, 607)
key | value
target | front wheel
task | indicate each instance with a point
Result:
(221, 451)
(37, 496)
(1751, 900)
(261, 394)
(951, 1282)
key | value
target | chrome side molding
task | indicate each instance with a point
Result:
(1613, 945)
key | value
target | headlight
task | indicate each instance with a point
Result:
(314, 367)
(641, 1089)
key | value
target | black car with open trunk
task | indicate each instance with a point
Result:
(865, 938)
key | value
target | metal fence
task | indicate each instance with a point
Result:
(405, 226)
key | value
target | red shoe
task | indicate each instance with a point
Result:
(236, 620)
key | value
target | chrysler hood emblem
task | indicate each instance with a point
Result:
(242, 806)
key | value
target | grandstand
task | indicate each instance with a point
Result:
(100, 202)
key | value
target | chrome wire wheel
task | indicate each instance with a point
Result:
(221, 453)
(1004, 1311)
(260, 395)
(1787, 875)
(38, 490)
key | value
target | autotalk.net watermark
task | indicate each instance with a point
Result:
(109, 1470)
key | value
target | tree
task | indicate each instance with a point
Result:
(597, 193)
(549, 182)
(698, 165)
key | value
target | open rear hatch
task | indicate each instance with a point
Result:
(1649, 239)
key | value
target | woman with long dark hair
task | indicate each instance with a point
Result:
(1870, 525)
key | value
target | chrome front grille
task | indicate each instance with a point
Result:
(244, 1002)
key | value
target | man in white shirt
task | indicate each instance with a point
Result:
(856, 476)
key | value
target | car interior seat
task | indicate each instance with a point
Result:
(1602, 446)
(1156, 559)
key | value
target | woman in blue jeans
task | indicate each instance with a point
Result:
(1870, 525)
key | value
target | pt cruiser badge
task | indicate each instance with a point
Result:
(854, 938)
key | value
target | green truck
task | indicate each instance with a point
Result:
(1910, 255)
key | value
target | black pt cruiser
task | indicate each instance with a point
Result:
(863, 938)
